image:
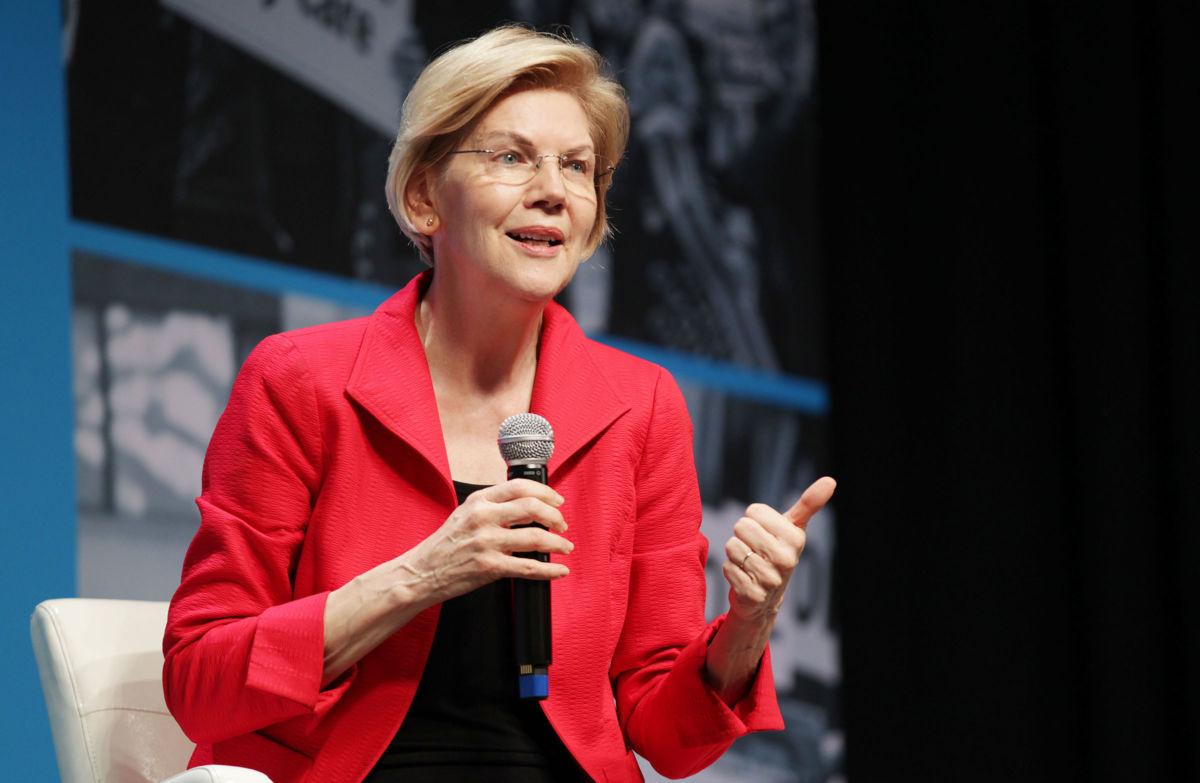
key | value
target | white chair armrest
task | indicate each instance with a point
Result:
(218, 773)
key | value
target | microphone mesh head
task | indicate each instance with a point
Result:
(526, 438)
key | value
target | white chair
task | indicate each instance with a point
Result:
(101, 663)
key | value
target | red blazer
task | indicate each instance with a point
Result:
(329, 460)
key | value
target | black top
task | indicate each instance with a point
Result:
(467, 717)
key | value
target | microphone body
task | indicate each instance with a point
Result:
(526, 442)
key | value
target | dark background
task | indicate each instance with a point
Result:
(1009, 196)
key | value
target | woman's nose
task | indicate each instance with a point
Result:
(548, 177)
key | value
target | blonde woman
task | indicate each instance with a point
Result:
(344, 608)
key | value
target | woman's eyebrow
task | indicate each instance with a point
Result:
(507, 136)
(512, 137)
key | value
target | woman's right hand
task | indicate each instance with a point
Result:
(473, 547)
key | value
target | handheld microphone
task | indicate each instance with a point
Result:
(526, 443)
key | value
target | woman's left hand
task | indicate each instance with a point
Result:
(763, 552)
(761, 556)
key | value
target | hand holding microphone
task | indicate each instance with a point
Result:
(479, 543)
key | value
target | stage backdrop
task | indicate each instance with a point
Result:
(226, 176)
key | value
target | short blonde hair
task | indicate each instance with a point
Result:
(459, 86)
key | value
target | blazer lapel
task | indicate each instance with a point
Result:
(391, 377)
(570, 389)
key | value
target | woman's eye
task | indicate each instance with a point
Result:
(576, 166)
(508, 158)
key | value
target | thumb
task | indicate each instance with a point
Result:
(812, 501)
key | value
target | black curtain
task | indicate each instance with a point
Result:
(1009, 235)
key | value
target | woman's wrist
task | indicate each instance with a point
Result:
(734, 656)
(364, 612)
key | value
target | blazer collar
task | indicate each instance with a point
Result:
(391, 381)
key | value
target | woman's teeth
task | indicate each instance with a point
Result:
(536, 238)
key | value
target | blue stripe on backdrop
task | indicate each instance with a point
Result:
(37, 498)
(801, 394)
(221, 266)
(785, 391)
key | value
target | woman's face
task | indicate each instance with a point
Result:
(527, 239)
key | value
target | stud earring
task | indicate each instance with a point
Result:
(429, 221)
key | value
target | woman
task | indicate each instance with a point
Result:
(342, 611)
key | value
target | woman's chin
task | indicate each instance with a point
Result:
(542, 280)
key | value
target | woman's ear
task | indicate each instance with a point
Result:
(418, 203)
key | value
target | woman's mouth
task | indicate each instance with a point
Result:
(537, 236)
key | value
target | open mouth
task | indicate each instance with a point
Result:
(543, 240)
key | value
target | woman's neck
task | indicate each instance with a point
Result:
(478, 345)
(482, 356)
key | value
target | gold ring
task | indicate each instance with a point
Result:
(744, 559)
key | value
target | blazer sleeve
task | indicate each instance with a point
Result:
(242, 652)
(669, 713)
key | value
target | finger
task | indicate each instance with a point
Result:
(812, 501)
(765, 573)
(776, 540)
(528, 568)
(776, 525)
(745, 559)
(769, 570)
(525, 511)
(533, 539)
(743, 588)
(739, 580)
(750, 531)
(737, 550)
(519, 488)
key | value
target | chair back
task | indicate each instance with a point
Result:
(100, 662)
